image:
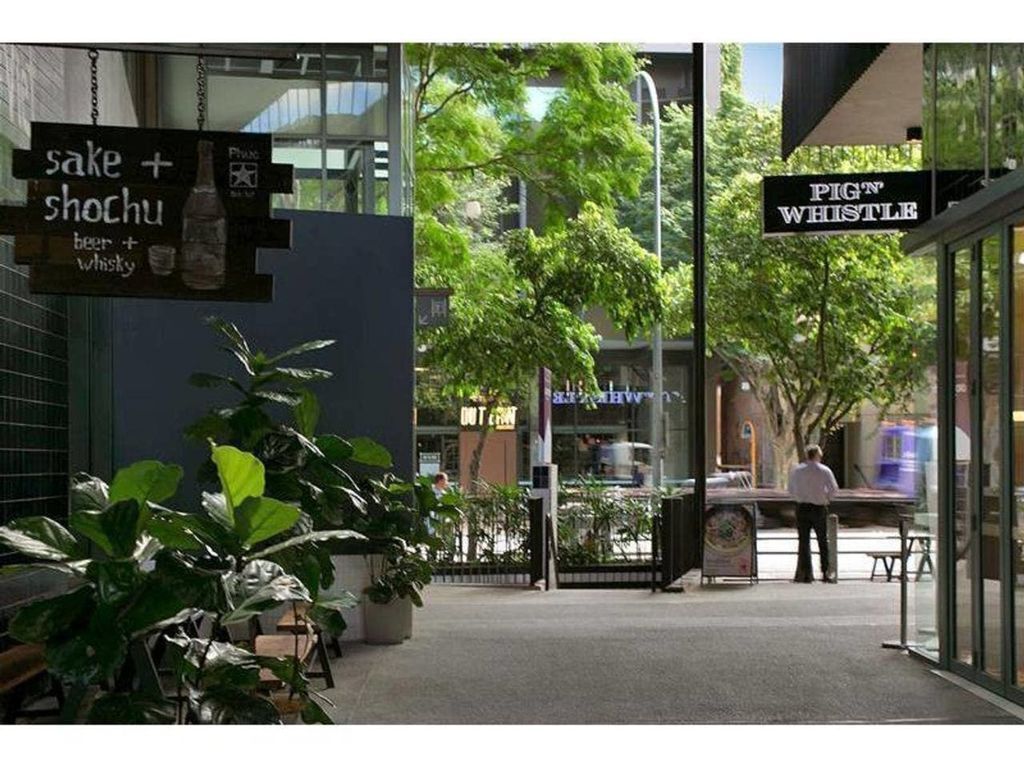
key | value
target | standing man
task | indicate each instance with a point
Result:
(813, 485)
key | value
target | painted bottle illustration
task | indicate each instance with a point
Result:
(204, 231)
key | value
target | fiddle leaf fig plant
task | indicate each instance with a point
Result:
(139, 569)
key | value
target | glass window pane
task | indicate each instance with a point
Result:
(916, 445)
(1007, 115)
(963, 646)
(992, 456)
(306, 157)
(357, 109)
(1018, 440)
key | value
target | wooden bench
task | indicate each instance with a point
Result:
(19, 666)
(294, 621)
(283, 646)
(888, 562)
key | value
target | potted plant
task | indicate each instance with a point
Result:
(139, 572)
(393, 592)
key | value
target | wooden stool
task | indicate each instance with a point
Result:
(19, 666)
(294, 621)
(299, 646)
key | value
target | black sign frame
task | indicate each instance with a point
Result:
(106, 209)
(846, 203)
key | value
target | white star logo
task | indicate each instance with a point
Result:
(243, 175)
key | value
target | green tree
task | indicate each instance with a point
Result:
(817, 325)
(473, 127)
(519, 305)
(519, 298)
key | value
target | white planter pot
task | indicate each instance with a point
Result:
(386, 624)
(352, 573)
(407, 617)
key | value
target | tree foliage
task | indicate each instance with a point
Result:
(817, 325)
(519, 306)
(519, 297)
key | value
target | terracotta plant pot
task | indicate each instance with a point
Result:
(385, 624)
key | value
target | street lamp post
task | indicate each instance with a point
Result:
(658, 400)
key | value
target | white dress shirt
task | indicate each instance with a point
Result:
(812, 483)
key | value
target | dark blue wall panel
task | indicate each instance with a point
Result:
(347, 277)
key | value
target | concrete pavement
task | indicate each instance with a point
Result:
(770, 653)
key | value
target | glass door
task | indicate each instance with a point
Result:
(980, 466)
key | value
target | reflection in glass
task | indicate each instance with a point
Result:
(963, 647)
(1018, 441)
(992, 457)
(1007, 106)
(924, 546)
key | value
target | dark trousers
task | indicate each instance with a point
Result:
(810, 516)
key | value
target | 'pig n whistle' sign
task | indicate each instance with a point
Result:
(837, 203)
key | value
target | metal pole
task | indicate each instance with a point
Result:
(658, 404)
(904, 556)
(699, 340)
(832, 529)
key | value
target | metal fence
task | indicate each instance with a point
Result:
(605, 538)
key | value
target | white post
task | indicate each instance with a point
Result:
(658, 404)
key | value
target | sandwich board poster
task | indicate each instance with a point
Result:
(730, 537)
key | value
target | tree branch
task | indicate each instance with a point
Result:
(462, 89)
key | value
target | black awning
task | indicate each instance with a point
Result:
(815, 78)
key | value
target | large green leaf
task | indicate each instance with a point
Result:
(370, 452)
(40, 537)
(176, 530)
(273, 396)
(67, 567)
(241, 475)
(88, 492)
(90, 525)
(122, 522)
(231, 332)
(325, 612)
(307, 413)
(212, 426)
(131, 709)
(146, 481)
(39, 621)
(308, 346)
(306, 538)
(314, 714)
(336, 449)
(115, 529)
(91, 656)
(208, 380)
(216, 506)
(115, 580)
(294, 375)
(258, 519)
(227, 705)
(260, 586)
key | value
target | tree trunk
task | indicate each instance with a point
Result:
(474, 479)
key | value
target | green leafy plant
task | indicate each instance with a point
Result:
(138, 570)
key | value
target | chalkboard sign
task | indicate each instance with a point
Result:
(730, 542)
(147, 212)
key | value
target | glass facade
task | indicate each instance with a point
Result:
(330, 111)
(609, 435)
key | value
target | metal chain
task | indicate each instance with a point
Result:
(201, 91)
(94, 85)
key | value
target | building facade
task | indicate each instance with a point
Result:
(90, 383)
(966, 102)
